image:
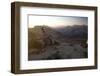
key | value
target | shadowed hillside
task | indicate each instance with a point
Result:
(75, 31)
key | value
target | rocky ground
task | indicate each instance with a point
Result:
(62, 51)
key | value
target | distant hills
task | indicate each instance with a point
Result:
(75, 31)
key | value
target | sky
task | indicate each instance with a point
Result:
(56, 21)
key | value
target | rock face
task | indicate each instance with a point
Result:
(45, 43)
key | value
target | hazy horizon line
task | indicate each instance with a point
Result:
(59, 26)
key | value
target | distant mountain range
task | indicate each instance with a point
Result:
(68, 32)
(75, 31)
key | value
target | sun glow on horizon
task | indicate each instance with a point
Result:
(56, 21)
